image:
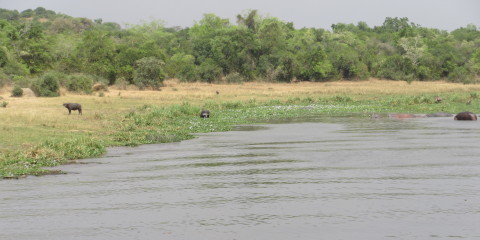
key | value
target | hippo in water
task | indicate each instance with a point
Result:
(205, 114)
(466, 116)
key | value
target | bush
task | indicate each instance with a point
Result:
(17, 92)
(424, 73)
(208, 71)
(234, 78)
(4, 104)
(4, 79)
(80, 83)
(181, 66)
(47, 86)
(100, 87)
(461, 75)
(121, 83)
(395, 68)
(22, 81)
(15, 68)
(148, 73)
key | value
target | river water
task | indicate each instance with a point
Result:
(317, 178)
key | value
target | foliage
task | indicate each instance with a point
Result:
(36, 41)
(47, 86)
(181, 66)
(234, 78)
(149, 73)
(17, 92)
(4, 79)
(208, 71)
(80, 83)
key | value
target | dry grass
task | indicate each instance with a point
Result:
(174, 92)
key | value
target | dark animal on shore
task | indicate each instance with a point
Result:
(465, 116)
(439, 114)
(217, 92)
(205, 114)
(73, 106)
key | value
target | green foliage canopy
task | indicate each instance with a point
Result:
(33, 42)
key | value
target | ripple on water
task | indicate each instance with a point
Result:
(347, 178)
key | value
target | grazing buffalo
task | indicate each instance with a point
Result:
(73, 106)
(439, 114)
(466, 116)
(205, 114)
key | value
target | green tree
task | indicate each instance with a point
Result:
(181, 66)
(147, 40)
(208, 71)
(149, 73)
(96, 55)
(396, 67)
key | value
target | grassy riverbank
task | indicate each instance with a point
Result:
(38, 132)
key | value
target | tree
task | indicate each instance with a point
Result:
(181, 66)
(249, 20)
(413, 48)
(396, 68)
(208, 71)
(149, 73)
(96, 53)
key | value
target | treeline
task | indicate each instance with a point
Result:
(40, 45)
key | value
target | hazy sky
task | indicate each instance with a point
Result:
(440, 14)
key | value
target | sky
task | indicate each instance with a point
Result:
(440, 14)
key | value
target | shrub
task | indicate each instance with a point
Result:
(461, 75)
(17, 92)
(424, 73)
(22, 81)
(47, 86)
(4, 79)
(99, 87)
(395, 68)
(80, 83)
(60, 76)
(121, 83)
(181, 66)
(208, 71)
(148, 73)
(234, 78)
(4, 104)
(15, 68)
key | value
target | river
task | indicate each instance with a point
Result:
(317, 178)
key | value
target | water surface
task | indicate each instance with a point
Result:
(321, 178)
